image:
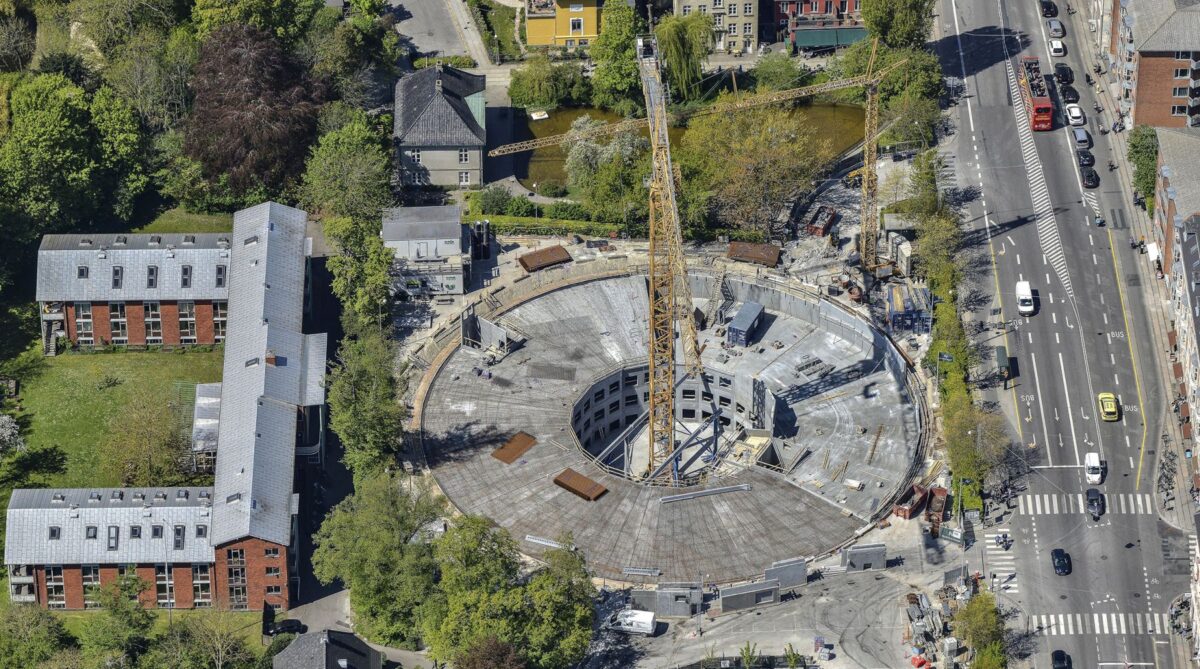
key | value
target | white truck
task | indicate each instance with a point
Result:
(632, 622)
(1024, 298)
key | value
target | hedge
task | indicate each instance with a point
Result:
(452, 61)
(533, 225)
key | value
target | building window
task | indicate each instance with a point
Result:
(415, 156)
(156, 531)
(135, 531)
(1182, 72)
(273, 572)
(687, 9)
(1183, 55)
(55, 532)
(185, 276)
(271, 552)
(718, 4)
(91, 585)
(220, 317)
(569, 43)
(1179, 92)
(719, 21)
(577, 25)
(583, 42)
(118, 277)
(703, 9)
(747, 29)
(748, 9)
(221, 272)
(164, 586)
(274, 590)
(236, 572)
(733, 9)
(201, 586)
(153, 319)
(180, 532)
(91, 532)
(187, 322)
(1178, 110)
(81, 272)
(83, 322)
(464, 178)
(577, 7)
(201, 531)
(117, 325)
(464, 156)
(236, 557)
(114, 537)
(56, 593)
(152, 276)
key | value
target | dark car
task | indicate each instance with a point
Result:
(1090, 178)
(1095, 503)
(1049, 9)
(288, 626)
(1085, 157)
(1060, 660)
(1068, 94)
(1063, 74)
(1061, 561)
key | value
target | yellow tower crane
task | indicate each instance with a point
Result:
(670, 296)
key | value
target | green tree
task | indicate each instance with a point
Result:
(360, 270)
(778, 72)
(493, 200)
(122, 150)
(920, 75)
(979, 621)
(489, 653)
(364, 409)
(476, 554)
(121, 630)
(111, 23)
(900, 24)
(278, 643)
(683, 44)
(29, 635)
(912, 118)
(284, 19)
(1143, 153)
(146, 447)
(749, 655)
(16, 43)
(151, 72)
(616, 83)
(366, 542)
(348, 174)
(990, 656)
(540, 83)
(560, 625)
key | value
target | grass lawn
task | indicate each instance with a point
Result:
(66, 405)
(75, 621)
(500, 20)
(178, 220)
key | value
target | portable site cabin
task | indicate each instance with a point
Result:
(741, 328)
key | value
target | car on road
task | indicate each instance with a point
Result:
(1060, 660)
(1068, 94)
(1075, 115)
(1063, 73)
(1081, 138)
(288, 626)
(1085, 157)
(1056, 28)
(1049, 9)
(1061, 561)
(1057, 48)
(1090, 178)
(1110, 411)
(1095, 503)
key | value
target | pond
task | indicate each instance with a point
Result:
(843, 125)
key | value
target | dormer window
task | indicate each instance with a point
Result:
(81, 272)
(185, 276)
(160, 496)
(155, 240)
(116, 496)
(235, 497)
(189, 239)
(84, 241)
(204, 494)
(118, 277)
(121, 240)
(139, 496)
(181, 495)
(252, 239)
(58, 497)
(252, 362)
(152, 276)
(93, 497)
(55, 532)
(222, 271)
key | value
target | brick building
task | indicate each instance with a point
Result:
(1150, 50)
(735, 22)
(133, 289)
(1176, 228)
(818, 24)
(239, 534)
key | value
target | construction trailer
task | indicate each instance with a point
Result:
(741, 329)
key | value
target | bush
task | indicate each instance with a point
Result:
(520, 206)
(512, 225)
(552, 189)
(569, 210)
(492, 200)
(452, 61)
(540, 83)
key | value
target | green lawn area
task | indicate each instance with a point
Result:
(74, 621)
(66, 405)
(178, 220)
(500, 20)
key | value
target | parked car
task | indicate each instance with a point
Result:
(1061, 561)
(1068, 94)
(1085, 157)
(1049, 9)
(1063, 73)
(1090, 178)
(1074, 114)
(1060, 660)
(1095, 503)
(1110, 411)
(1056, 28)
(288, 626)
(1057, 48)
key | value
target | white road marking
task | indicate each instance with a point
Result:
(1056, 338)
(1054, 318)
(1018, 258)
(1066, 389)
(1041, 408)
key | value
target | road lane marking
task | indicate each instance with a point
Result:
(1066, 389)
(1105, 317)
(1094, 261)
(1041, 406)
(1054, 317)
(1018, 258)
(1137, 377)
(1056, 338)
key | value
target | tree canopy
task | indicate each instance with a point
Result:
(778, 72)
(900, 24)
(120, 632)
(616, 83)
(348, 173)
(683, 44)
(540, 83)
(284, 19)
(1143, 153)
(363, 406)
(29, 635)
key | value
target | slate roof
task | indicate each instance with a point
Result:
(206, 416)
(414, 223)
(270, 369)
(1166, 25)
(427, 115)
(31, 513)
(61, 256)
(323, 650)
(1178, 148)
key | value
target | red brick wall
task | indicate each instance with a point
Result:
(170, 322)
(69, 315)
(39, 579)
(100, 330)
(1114, 24)
(1152, 96)
(182, 575)
(148, 598)
(256, 574)
(135, 317)
(204, 322)
(73, 586)
(107, 575)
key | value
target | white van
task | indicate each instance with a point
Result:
(1024, 298)
(1091, 467)
(632, 622)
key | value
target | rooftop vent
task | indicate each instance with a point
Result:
(116, 496)
(85, 241)
(204, 494)
(155, 240)
(93, 497)
(181, 495)
(160, 496)
(189, 239)
(139, 496)
(58, 497)
(237, 496)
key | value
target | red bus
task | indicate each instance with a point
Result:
(1038, 106)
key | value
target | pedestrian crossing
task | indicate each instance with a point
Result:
(1090, 200)
(1043, 208)
(1193, 547)
(1056, 504)
(1068, 624)
(1001, 563)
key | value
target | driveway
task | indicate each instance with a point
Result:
(429, 27)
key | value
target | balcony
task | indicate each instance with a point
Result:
(22, 599)
(540, 8)
(52, 311)
(1195, 64)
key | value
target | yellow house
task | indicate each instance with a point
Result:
(565, 23)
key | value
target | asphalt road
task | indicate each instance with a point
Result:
(1089, 335)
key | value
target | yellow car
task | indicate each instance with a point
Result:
(1109, 409)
